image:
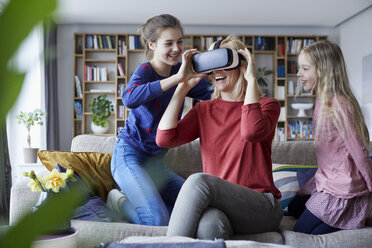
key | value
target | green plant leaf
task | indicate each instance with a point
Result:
(17, 20)
(9, 91)
(48, 216)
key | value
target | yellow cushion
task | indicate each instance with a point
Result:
(92, 167)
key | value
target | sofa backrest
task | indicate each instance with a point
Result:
(186, 160)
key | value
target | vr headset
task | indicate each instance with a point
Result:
(216, 59)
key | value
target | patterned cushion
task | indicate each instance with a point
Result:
(285, 179)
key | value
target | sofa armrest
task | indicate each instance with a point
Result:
(22, 199)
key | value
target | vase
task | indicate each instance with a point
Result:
(30, 155)
(68, 239)
(98, 129)
(291, 89)
(63, 228)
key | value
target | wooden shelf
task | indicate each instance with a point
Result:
(119, 52)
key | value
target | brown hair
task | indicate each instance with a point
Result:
(333, 90)
(151, 30)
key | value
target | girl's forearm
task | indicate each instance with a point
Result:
(169, 82)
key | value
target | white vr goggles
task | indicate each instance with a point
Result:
(216, 59)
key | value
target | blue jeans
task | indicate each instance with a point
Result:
(150, 186)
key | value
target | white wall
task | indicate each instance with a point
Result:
(65, 56)
(356, 42)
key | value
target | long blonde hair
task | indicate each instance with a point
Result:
(333, 88)
(241, 85)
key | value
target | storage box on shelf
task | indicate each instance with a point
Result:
(114, 57)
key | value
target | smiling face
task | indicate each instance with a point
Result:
(225, 81)
(168, 47)
(306, 72)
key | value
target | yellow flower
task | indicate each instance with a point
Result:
(55, 180)
(33, 184)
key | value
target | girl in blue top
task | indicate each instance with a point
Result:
(137, 164)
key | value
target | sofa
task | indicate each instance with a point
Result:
(186, 160)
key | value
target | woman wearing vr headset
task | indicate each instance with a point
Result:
(150, 188)
(236, 192)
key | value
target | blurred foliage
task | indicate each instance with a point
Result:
(17, 20)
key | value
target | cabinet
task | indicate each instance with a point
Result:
(101, 67)
(104, 62)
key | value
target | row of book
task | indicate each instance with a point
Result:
(295, 45)
(78, 110)
(134, 42)
(281, 71)
(99, 42)
(121, 70)
(120, 113)
(122, 47)
(94, 73)
(264, 43)
(78, 89)
(121, 88)
(281, 50)
(292, 67)
(280, 134)
(300, 129)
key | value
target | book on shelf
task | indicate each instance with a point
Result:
(101, 90)
(282, 114)
(78, 89)
(78, 110)
(122, 48)
(134, 42)
(264, 43)
(120, 111)
(121, 88)
(292, 67)
(300, 129)
(280, 92)
(89, 42)
(93, 73)
(95, 42)
(121, 70)
(281, 71)
(108, 42)
(280, 134)
(281, 50)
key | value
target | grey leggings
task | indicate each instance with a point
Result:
(209, 207)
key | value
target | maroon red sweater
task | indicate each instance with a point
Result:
(235, 140)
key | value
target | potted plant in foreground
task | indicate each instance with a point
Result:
(101, 111)
(30, 119)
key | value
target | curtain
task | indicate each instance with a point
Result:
(51, 96)
(5, 176)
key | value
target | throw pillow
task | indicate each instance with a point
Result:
(285, 179)
(93, 168)
(304, 175)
